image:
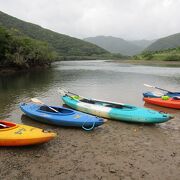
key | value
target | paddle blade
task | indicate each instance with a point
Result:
(35, 100)
(147, 85)
(62, 91)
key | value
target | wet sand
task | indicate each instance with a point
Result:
(114, 151)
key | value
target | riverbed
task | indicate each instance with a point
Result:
(115, 150)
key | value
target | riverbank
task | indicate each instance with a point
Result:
(11, 70)
(14, 69)
(114, 151)
(151, 62)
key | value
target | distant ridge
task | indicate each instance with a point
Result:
(119, 45)
(169, 42)
(63, 44)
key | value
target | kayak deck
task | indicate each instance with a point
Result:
(170, 103)
(12, 134)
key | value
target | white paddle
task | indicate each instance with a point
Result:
(147, 85)
(64, 92)
(35, 100)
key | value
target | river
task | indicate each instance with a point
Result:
(108, 80)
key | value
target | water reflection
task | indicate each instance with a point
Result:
(19, 87)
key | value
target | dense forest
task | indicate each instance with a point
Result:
(17, 50)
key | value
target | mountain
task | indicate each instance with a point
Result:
(118, 45)
(142, 43)
(63, 44)
(165, 43)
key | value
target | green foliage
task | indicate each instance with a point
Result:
(22, 51)
(63, 44)
(164, 55)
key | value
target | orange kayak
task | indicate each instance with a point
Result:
(12, 134)
(170, 103)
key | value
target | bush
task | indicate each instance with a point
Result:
(22, 51)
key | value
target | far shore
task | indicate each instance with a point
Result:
(151, 62)
(14, 69)
(10, 70)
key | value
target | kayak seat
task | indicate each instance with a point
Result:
(4, 124)
(61, 110)
(114, 106)
(88, 101)
(46, 108)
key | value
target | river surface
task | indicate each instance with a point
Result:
(107, 80)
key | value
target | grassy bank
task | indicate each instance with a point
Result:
(164, 55)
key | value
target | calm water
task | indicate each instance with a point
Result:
(111, 81)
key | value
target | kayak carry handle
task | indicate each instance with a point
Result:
(88, 129)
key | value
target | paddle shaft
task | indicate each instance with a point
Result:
(163, 89)
(40, 102)
(157, 88)
(51, 108)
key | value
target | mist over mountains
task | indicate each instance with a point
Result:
(119, 45)
(130, 48)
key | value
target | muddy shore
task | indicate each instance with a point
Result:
(114, 151)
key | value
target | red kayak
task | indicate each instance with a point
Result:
(170, 103)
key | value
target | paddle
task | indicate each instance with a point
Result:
(64, 91)
(35, 100)
(147, 85)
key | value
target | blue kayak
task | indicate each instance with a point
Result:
(158, 95)
(64, 116)
(113, 110)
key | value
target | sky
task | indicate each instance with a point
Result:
(127, 19)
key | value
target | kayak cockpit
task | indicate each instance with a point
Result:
(60, 110)
(5, 125)
(106, 104)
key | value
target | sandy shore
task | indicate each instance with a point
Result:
(114, 151)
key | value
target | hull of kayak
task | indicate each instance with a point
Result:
(22, 135)
(120, 112)
(64, 116)
(158, 95)
(170, 103)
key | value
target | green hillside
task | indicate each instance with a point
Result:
(17, 50)
(163, 55)
(63, 44)
(165, 43)
(118, 45)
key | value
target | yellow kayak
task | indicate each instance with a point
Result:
(12, 134)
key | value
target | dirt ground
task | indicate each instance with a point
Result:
(113, 151)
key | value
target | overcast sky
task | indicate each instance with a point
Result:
(128, 19)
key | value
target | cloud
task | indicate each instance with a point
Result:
(130, 19)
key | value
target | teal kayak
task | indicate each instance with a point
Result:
(116, 111)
